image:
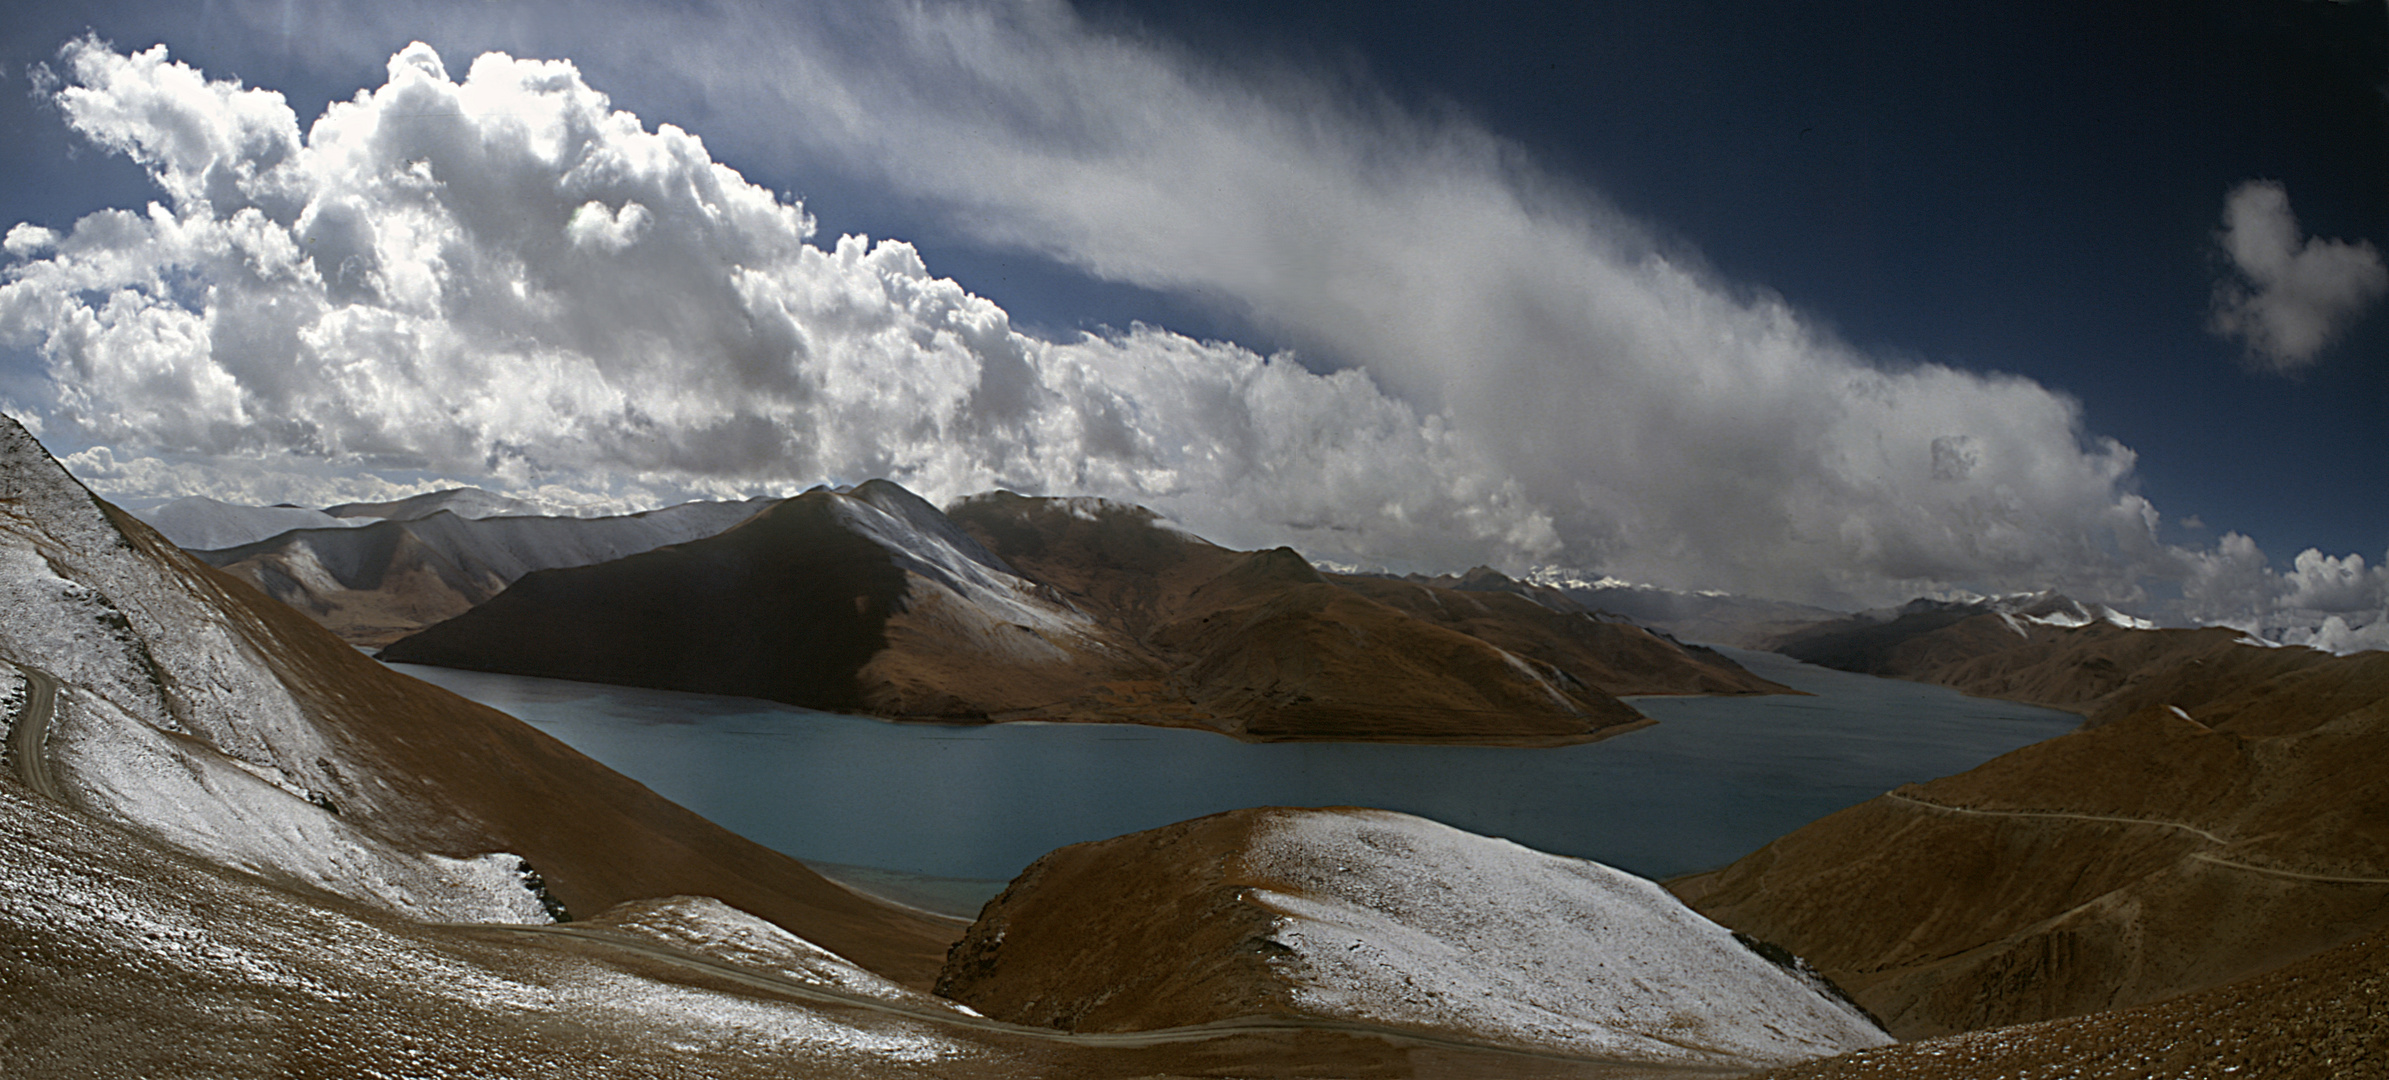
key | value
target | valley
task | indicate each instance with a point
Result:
(231, 843)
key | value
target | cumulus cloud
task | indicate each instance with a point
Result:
(1676, 427)
(2285, 295)
(2336, 603)
(503, 277)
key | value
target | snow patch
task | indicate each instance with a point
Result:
(1394, 919)
(708, 927)
(928, 545)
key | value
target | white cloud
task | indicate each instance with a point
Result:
(2286, 295)
(2333, 603)
(1676, 427)
(504, 279)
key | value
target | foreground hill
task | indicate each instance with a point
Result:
(1375, 917)
(2325, 1017)
(1014, 608)
(2218, 823)
(373, 581)
(181, 708)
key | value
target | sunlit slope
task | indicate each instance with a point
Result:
(2175, 847)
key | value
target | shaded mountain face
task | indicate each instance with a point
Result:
(187, 712)
(379, 580)
(1017, 608)
(1376, 917)
(2230, 814)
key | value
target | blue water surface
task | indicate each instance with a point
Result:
(1715, 779)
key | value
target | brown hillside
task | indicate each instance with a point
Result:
(2100, 670)
(475, 779)
(2325, 1017)
(2153, 854)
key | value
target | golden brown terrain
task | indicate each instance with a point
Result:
(2227, 816)
(2325, 1017)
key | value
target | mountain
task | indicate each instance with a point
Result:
(2045, 649)
(1374, 917)
(199, 522)
(232, 846)
(465, 502)
(180, 708)
(1711, 617)
(2225, 813)
(1017, 608)
(374, 580)
(2325, 1017)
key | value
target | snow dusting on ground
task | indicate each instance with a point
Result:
(1396, 919)
(169, 722)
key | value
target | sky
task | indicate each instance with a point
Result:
(1840, 306)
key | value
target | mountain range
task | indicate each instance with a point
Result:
(230, 845)
(1010, 607)
(382, 571)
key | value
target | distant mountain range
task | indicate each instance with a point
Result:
(373, 580)
(871, 599)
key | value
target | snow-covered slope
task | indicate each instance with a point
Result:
(198, 522)
(180, 706)
(1393, 918)
(1382, 919)
(166, 720)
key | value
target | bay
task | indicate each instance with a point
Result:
(965, 807)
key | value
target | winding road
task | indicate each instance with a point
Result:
(32, 729)
(2191, 829)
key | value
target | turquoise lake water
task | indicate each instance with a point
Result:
(1715, 779)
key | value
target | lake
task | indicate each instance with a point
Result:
(943, 814)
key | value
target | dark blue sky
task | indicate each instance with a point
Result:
(2027, 187)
